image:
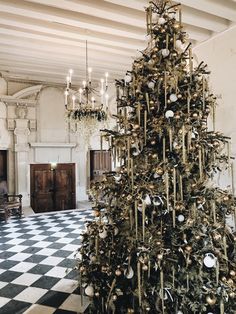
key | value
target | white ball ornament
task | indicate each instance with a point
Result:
(165, 52)
(169, 114)
(173, 98)
(161, 21)
(103, 234)
(209, 260)
(179, 312)
(178, 44)
(89, 291)
(155, 17)
(181, 218)
(151, 85)
(128, 78)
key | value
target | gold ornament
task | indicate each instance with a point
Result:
(211, 300)
(118, 272)
(232, 273)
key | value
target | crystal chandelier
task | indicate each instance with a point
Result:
(86, 107)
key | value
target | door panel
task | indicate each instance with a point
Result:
(100, 162)
(52, 189)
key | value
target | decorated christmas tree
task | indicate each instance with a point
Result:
(160, 242)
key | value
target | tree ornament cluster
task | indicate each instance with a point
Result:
(159, 242)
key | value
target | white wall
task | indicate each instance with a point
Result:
(220, 54)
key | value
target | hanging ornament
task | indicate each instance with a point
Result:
(129, 273)
(117, 177)
(169, 114)
(157, 201)
(161, 21)
(128, 78)
(211, 300)
(180, 312)
(209, 260)
(179, 44)
(151, 85)
(173, 98)
(116, 231)
(155, 17)
(89, 291)
(181, 218)
(103, 234)
(165, 52)
(147, 200)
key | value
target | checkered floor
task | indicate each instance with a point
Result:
(37, 256)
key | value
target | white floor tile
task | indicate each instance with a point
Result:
(14, 235)
(20, 257)
(2, 270)
(15, 241)
(46, 252)
(58, 272)
(18, 248)
(31, 294)
(35, 232)
(40, 309)
(73, 303)
(23, 267)
(3, 284)
(55, 229)
(60, 234)
(3, 301)
(65, 285)
(26, 279)
(70, 247)
(42, 244)
(64, 240)
(38, 237)
(51, 260)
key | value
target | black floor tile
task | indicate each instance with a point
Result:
(40, 269)
(32, 250)
(69, 263)
(15, 307)
(7, 264)
(61, 253)
(45, 282)
(53, 298)
(35, 258)
(9, 275)
(56, 246)
(72, 275)
(5, 255)
(11, 290)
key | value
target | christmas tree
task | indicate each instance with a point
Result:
(160, 242)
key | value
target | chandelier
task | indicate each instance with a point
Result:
(87, 106)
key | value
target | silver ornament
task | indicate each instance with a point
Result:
(89, 291)
(209, 260)
(128, 78)
(181, 218)
(103, 234)
(169, 114)
(173, 98)
(151, 85)
(165, 52)
(161, 21)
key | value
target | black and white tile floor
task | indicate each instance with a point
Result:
(37, 261)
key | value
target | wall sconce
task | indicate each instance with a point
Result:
(53, 165)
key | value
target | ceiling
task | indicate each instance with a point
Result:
(42, 39)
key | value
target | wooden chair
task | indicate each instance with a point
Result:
(10, 204)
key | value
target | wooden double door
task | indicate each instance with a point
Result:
(52, 188)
